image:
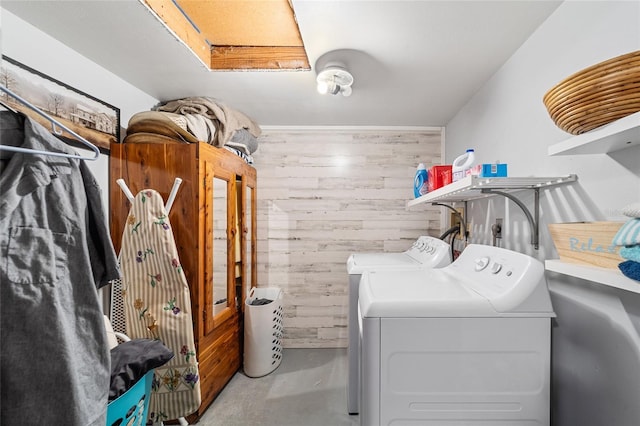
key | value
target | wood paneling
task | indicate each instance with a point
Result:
(237, 35)
(327, 194)
(244, 22)
(175, 20)
(259, 58)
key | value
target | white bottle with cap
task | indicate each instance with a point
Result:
(462, 164)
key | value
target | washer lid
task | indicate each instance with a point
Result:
(483, 281)
(419, 294)
(426, 251)
(436, 293)
(361, 262)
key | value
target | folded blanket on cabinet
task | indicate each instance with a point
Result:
(227, 119)
(201, 127)
(243, 141)
(165, 124)
(162, 127)
(246, 157)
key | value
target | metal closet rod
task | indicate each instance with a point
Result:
(54, 123)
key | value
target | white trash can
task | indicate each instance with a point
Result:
(263, 332)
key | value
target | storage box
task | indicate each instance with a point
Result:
(588, 243)
(438, 176)
(494, 170)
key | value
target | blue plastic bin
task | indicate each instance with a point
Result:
(131, 408)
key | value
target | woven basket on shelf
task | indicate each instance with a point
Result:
(597, 95)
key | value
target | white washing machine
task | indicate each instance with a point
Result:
(467, 344)
(426, 252)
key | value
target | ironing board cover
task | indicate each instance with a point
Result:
(158, 305)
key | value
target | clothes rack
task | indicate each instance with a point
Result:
(55, 125)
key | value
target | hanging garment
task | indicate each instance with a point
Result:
(158, 304)
(56, 252)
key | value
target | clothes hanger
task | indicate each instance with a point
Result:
(55, 127)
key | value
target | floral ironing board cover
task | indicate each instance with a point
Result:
(157, 305)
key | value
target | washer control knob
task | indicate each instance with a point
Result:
(495, 268)
(481, 263)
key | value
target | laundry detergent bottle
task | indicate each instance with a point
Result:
(462, 163)
(420, 181)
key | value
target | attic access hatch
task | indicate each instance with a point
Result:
(238, 35)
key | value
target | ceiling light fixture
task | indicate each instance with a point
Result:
(334, 79)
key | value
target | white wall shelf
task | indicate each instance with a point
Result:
(620, 134)
(609, 277)
(473, 187)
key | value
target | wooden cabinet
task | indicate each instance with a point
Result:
(214, 224)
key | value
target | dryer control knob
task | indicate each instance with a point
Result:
(495, 268)
(481, 263)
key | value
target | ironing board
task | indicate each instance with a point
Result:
(157, 304)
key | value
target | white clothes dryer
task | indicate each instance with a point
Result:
(467, 344)
(426, 252)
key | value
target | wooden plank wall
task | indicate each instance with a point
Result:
(324, 194)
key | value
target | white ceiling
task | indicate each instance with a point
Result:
(415, 63)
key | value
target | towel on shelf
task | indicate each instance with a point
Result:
(632, 210)
(630, 269)
(631, 253)
(628, 234)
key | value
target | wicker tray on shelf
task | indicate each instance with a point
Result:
(597, 95)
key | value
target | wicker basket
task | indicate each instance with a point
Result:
(597, 95)
(587, 243)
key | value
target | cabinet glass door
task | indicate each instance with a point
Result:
(247, 240)
(220, 225)
(220, 216)
(248, 236)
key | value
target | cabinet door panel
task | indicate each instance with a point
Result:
(220, 264)
(248, 232)
(219, 291)
(249, 224)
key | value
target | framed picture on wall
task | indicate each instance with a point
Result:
(89, 117)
